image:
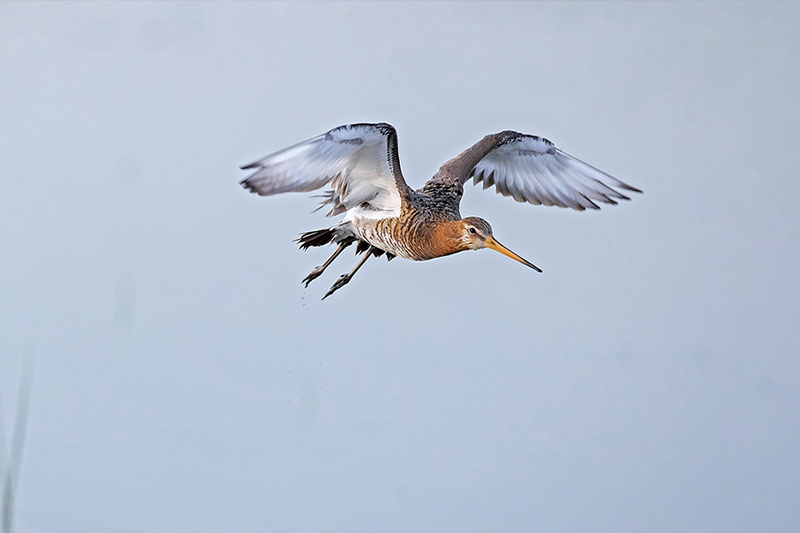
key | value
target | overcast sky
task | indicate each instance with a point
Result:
(185, 380)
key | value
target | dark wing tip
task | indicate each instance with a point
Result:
(583, 203)
(629, 188)
(250, 186)
(384, 127)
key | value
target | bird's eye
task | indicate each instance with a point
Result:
(472, 230)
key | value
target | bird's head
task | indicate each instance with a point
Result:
(475, 233)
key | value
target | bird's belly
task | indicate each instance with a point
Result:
(385, 234)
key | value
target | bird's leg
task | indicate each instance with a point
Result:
(320, 269)
(344, 279)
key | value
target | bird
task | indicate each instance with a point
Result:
(360, 165)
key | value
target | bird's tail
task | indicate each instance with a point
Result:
(321, 237)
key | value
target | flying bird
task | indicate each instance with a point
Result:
(383, 215)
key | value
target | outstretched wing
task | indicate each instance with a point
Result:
(531, 169)
(358, 161)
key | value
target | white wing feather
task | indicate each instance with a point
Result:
(531, 169)
(357, 160)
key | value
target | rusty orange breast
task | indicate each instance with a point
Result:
(412, 235)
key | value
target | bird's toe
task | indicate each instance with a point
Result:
(343, 280)
(312, 276)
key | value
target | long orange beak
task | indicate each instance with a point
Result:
(492, 243)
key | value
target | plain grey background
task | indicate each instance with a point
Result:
(648, 380)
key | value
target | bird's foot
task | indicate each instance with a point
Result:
(343, 280)
(314, 275)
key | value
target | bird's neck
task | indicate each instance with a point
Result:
(445, 239)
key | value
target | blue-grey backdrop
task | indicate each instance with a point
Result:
(648, 380)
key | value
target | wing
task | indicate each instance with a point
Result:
(358, 161)
(531, 169)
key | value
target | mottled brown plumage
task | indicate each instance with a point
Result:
(383, 214)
